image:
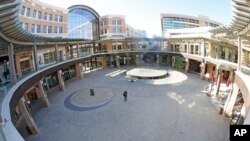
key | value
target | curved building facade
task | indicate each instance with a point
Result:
(29, 84)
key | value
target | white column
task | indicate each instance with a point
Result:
(203, 69)
(187, 48)
(239, 53)
(202, 49)
(231, 99)
(13, 78)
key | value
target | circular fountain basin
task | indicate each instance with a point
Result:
(147, 73)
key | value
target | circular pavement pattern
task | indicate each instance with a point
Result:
(82, 100)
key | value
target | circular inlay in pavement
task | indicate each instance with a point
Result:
(147, 73)
(82, 99)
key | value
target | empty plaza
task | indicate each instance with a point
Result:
(153, 112)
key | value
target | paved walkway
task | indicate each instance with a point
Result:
(169, 112)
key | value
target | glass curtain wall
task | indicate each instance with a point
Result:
(82, 24)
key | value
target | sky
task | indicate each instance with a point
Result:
(145, 14)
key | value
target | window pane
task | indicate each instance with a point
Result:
(33, 28)
(37, 28)
(28, 12)
(39, 15)
(45, 29)
(55, 29)
(34, 14)
(49, 29)
(23, 10)
(45, 16)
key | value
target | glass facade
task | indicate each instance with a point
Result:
(82, 24)
(177, 23)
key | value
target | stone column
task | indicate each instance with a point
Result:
(60, 80)
(231, 99)
(57, 54)
(187, 65)
(187, 48)
(117, 61)
(203, 70)
(231, 76)
(239, 54)
(79, 70)
(158, 59)
(218, 83)
(35, 57)
(202, 49)
(137, 61)
(27, 116)
(13, 77)
(173, 61)
(43, 94)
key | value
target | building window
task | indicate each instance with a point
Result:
(34, 14)
(26, 26)
(113, 22)
(60, 29)
(50, 17)
(55, 29)
(60, 18)
(28, 12)
(38, 28)
(33, 28)
(23, 10)
(106, 31)
(56, 18)
(49, 29)
(104, 23)
(116, 30)
(49, 57)
(119, 22)
(45, 29)
(39, 15)
(45, 16)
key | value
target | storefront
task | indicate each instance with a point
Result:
(69, 73)
(194, 66)
(50, 81)
(24, 63)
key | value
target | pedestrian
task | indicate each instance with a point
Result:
(125, 95)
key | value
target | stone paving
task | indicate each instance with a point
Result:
(167, 112)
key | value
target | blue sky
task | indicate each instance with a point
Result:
(145, 14)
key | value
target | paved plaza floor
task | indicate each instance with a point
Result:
(176, 111)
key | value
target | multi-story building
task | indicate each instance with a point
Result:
(115, 27)
(112, 26)
(35, 67)
(177, 21)
(43, 19)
